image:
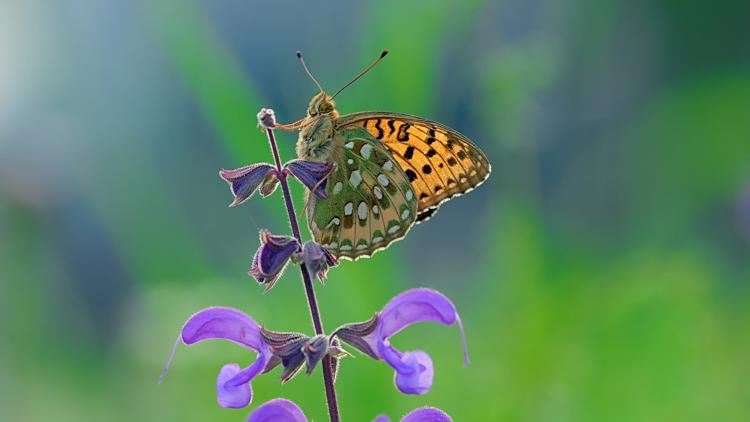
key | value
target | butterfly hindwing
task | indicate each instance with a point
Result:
(439, 162)
(370, 200)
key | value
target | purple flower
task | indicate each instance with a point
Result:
(312, 174)
(414, 369)
(282, 410)
(233, 383)
(244, 181)
(423, 414)
(277, 410)
(272, 257)
(317, 259)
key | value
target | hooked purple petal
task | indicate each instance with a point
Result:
(414, 370)
(233, 383)
(223, 323)
(233, 397)
(312, 174)
(272, 257)
(244, 181)
(419, 305)
(277, 410)
(413, 306)
(427, 414)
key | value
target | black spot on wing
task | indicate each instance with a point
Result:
(411, 175)
(380, 133)
(391, 127)
(403, 132)
(409, 153)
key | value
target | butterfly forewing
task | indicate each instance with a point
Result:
(439, 162)
(371, 202)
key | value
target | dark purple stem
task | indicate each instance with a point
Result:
(312, 302)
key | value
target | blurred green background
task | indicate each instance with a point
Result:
(601, 272)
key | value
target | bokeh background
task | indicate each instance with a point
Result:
(601, 272)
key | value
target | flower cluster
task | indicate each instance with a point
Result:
(282, 410)
(413, 370)
(274, 254)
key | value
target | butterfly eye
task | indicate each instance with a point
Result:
(325, 108)
(313, 113)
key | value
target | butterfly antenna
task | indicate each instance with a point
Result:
(383, 54)
(302, 60)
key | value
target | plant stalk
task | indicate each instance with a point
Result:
(312, 302)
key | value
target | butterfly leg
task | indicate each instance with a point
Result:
(289, 127)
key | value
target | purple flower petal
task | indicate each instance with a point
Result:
(312, 174)
(427, 414)
(423, 414)
(233, 397)
(418, 379)
(414, 370)
(272, 257)
(233, 384)
(277, 410)
(223, 323)
(244, 181)
(416, 305)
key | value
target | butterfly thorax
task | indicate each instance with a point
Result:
(316, 136)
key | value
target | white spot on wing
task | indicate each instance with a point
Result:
(409, 195)
(362, 211)
(375, 210)
(348, 208)
(349, 145)
(365, 151)
(404, 214)
(337, 187)
(394, 229)
(355, 179)
(377, 239)
(383, 180)
(378, 192)
(361, 247)
(388, 166)
(350, 161)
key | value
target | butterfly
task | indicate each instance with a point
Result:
(390, 172)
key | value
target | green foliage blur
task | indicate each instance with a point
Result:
(601, 272)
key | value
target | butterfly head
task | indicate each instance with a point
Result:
(321, 104)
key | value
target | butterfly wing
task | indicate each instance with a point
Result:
(370, 201)
(439, 162)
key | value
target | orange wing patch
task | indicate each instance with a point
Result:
(439, 162)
